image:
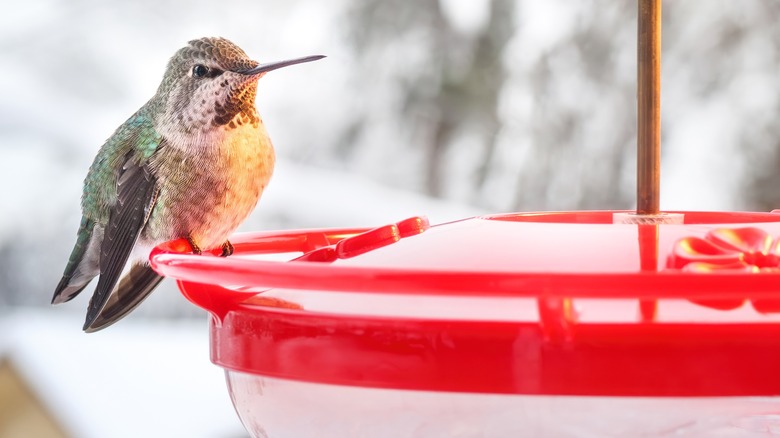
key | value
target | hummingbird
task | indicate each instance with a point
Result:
(190, 163)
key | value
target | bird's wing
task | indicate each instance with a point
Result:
(136, 193)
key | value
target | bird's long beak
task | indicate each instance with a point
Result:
(264, 68)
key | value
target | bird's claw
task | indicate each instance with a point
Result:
(194, 246)
(227, 249)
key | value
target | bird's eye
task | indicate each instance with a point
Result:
(199, 71)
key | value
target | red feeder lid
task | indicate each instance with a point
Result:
(535, 303)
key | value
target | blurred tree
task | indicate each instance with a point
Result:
(757, 101)
(721, 100)
(577, 140)
(455, 83)
(581, 130)
(536, 108)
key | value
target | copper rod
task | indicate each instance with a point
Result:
(649, 107)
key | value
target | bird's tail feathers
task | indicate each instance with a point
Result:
(133, 288)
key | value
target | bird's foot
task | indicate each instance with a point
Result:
(227, 249)
(194, 246)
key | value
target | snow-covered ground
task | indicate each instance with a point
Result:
(139, 380)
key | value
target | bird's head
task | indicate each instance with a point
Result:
(212, 84)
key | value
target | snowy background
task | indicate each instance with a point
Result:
(440, 107)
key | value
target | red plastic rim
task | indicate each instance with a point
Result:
(171, 260)
(553, 354)
(656, 360)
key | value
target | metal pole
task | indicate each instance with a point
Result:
(649, 107)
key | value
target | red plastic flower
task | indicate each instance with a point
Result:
(737, 250)
(733, 249)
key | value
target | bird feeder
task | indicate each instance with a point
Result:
(580, 323)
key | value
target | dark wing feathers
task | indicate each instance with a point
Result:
(134, 287)
(136, 189)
